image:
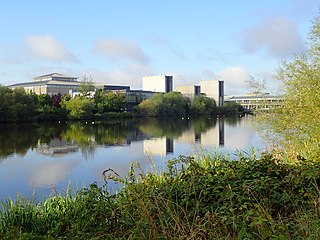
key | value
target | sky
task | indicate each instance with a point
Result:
(119, 42)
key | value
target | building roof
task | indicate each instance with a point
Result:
(26, 84)
(252, 97)
(46, 82)
(54, 75)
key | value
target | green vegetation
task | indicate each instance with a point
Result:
(297, 122)
(174, 104)
(271, 196)
(168, 104)
(48, 108)
(79, 107)
(16, 105)
(203, 105)
(207, 198)
(109, 102)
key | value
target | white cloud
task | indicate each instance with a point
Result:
(128, 75)
(235, 79)
(120, 49)
(51, 173)
(192, 79)
(277, 35)
(48, 48)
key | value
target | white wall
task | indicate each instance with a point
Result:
(154, 83)
(211, 89)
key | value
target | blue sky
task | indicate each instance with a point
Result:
(119, 42)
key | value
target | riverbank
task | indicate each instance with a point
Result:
(207, 198)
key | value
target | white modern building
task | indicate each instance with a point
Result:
(51, 84)
(189, 91)
(213, 89)
(255, 101)
(161, 83)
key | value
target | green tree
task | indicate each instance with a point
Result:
(79, 107)
(297, 122)
(43, 104)
(86, 86)
(23, 106)
(168, 104)
(231, 108)
(203, 105)
(109, 101)
(148, 108)
(5, 103)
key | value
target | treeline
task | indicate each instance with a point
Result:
(175, 104)
(18, 106)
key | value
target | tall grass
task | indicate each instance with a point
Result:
(206, 198)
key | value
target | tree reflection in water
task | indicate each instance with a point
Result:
(61, 137)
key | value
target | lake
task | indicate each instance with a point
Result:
(42, 159)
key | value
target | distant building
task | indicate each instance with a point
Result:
(256, 101)
(189, 91)
(213, 89)
(161, 83)
(51, 84)
(116, 88)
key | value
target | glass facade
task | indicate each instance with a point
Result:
(168, 80)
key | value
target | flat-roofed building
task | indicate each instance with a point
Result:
(161, 83)
(50, 84)
(255, 101)
(213, 89)
(116, 88)
(189, 91)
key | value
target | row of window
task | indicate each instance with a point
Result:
(62, 86)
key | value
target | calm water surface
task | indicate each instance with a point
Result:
(42, 159)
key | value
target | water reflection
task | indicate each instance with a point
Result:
(211, 134)
(158, 146)
(38, 157)
(158, 135)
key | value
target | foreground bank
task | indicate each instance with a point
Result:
(207, 198)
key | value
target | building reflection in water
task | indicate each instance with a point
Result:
(158, 146)
(212, 133)
(213, 136)
(56, 147)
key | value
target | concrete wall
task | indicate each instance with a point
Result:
(188, 91)
(213, 89)
(157, 83)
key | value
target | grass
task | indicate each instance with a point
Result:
(206, 198)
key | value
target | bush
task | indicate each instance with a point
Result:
(207, 198)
